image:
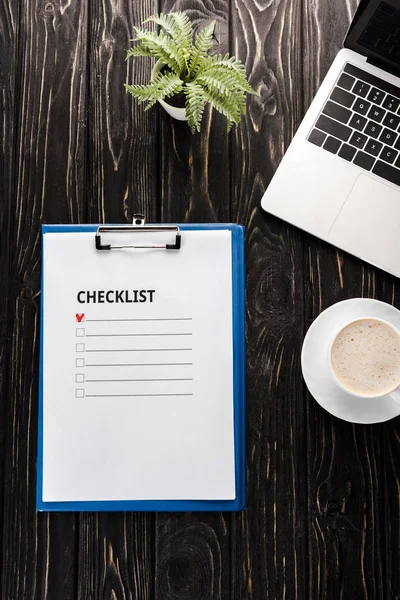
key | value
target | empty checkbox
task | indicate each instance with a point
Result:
(79, 378)
(79, 393)
(80, 347)
(80, 332)
(80, 362)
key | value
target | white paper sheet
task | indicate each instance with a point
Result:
(138, 396)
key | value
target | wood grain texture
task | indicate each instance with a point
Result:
(349, 501)
(272, 534)
(391, 499)
(9, 24)
(346, 463)
(192, 556)
(116, 550)
(193, 550)
(123, 165)
(323, 496)
(39, 550)
(194, 168)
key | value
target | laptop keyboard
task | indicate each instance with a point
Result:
(360, 122)
(382, 34)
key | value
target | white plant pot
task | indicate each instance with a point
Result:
(176, 113)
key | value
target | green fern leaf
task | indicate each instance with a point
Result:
(178, 26)
(241, 101)
(163, 47)
(195, 103)
(200, 48)
(138, 50)
(141, 92)
(224, 105)
(228, 78)
(221, 82)
(167, 22)
(161, 86)
(231, 63)
(185, 36)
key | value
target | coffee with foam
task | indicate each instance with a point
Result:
(365, 357)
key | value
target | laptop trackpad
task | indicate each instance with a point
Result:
(368, 224)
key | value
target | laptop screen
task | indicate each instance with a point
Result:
(375, 32)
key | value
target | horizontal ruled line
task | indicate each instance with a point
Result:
(116, 320)
(142, 350)
(141, 364)
(132, 334)
(166, 379)
(130, 395)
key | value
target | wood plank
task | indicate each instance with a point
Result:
(193, 550)
(115, 556)
(271, 540)
(346, 462)
(38, 551)
(122, 137)
(391, 497)
(8, 43)
(353, 494)
(192, 556)
(116, 550)
(194, 168)
(345, 508)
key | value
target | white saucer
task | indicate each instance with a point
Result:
(315, 363)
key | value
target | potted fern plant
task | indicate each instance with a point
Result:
(185, 78)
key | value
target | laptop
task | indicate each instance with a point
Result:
(340, 177)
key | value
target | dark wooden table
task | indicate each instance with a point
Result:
(323, 496)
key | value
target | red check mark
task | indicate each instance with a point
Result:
(80, 317)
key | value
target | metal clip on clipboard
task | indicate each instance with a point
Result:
(138, 226)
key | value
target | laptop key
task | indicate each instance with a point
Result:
(391, 103)
(373, 147)
(360, 88)
(384, 85)
(361, 106)
(397, 144)
(332, 145)
(346, 81)
(342, 97)
(334, 128)
(340, 113)
(364, 161)
(388, 137)
(377, 33)
(373, 129)
(385, 48)
(358, 122)
(391, 121)
(384, 26)
(358, 140)
(388, 154)
(376, 113)
(347, 152)
(376, 96)
(317, 137)
(386, 8)
(387, 172)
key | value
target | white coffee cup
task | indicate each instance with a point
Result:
(389, 389)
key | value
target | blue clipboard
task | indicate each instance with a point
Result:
(239, 397)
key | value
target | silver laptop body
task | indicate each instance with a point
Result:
(340, 177)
